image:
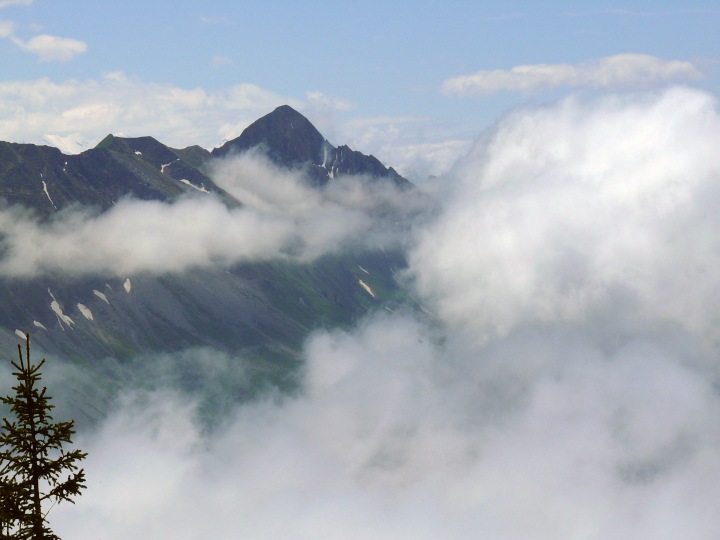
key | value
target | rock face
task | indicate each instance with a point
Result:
(263, 309)
(290, 140)
(286, 135)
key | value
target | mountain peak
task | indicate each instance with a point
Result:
(290, 140)
(286, 135)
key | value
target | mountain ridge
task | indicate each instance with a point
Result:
(291, 140)
(261, 310)
(47, 180)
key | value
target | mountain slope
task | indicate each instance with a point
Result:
(262, 310)
(45, 180)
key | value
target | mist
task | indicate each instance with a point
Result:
(562, 382)
(282, 218)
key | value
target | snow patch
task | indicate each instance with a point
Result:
(45, 189)
(366, 287)
(127, 285)
(201, 188)
(138, 153)
(39, 325)
(85, 312)
(55, 306)
(163, 165)
(101, 296)
(20, 334)
(361, 268)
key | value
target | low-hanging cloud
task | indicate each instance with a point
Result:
(563, 212)
(396, 435)
(282, 217)
(138, 236)
(567, 386)
(613, 72)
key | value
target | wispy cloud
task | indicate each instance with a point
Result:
(77, 114)
(221, 61)
(7, 28)
(5, 3)
(282, 218)
(205, 19)
(46, 47)
(413, 145)
(52, 48)
(618, 71)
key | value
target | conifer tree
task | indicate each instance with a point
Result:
(35, 468)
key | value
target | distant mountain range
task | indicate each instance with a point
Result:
(46, 180)
(264, 309)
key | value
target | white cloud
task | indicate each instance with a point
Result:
(5, 3)
(421, 160)
(565, 213)
(75, 115)
(282, 218)
(580, 241)
(41, 111)
(347, 211)
(48, 48)
(392, 436)
(323, 102)
(52, 48)
(139, 236)
(618, 71)
(412, 145)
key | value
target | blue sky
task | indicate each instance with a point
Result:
(370, 74)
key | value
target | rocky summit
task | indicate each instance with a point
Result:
(290, 140)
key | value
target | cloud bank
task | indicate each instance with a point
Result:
(613, 72)
(564, 212)
(394, 436)
(282, 218)
(567, 386)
